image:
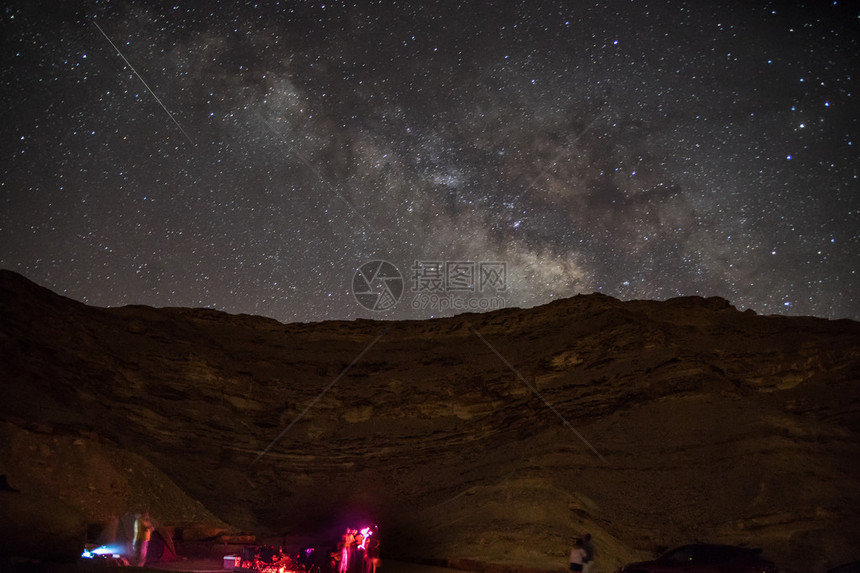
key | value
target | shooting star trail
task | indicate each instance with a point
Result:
(144, 83)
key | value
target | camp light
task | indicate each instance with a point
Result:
(103, 551)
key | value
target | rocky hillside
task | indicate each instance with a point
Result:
(485, 438)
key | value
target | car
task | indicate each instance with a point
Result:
(705, 558)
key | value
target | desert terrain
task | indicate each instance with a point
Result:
(483, 441)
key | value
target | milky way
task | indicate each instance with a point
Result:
(250, 157)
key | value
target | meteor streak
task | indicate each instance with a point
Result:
(144, 83)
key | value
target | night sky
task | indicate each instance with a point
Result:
(250, 157)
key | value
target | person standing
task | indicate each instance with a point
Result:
(577, 556)
(588, 546)
(143, 527)
(345, 550)
(356, 558)
(371, 554)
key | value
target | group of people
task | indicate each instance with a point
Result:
(582, 555)
(358, 551)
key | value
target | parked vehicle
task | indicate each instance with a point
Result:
(705, 558)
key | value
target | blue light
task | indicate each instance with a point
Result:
(111, 550)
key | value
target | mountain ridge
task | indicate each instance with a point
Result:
(493, 438)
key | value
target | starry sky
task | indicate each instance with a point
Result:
(253, 156)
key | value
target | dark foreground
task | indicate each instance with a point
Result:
(208, 565)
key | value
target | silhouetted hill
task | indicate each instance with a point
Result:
(459, 436)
